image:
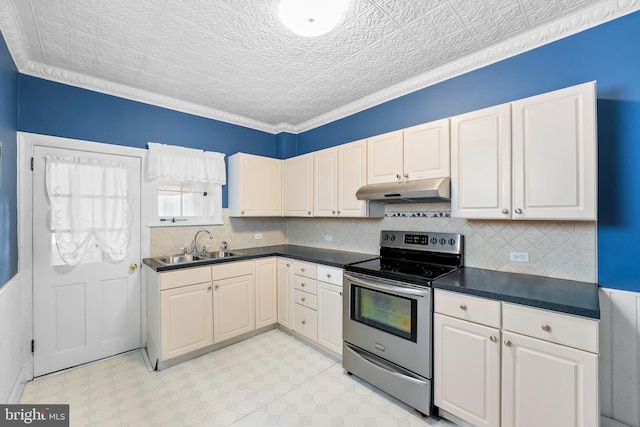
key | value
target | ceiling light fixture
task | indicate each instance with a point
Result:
(311, 18)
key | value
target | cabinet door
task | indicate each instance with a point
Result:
(255, 185)
(466, 372)
(426, 151)
(330, 316)
(554, 155)
(481, 163)
(186, 319)
(298, 186)
(285, 292)
(266, 292)
(352, 174)
(546, 384)
(233, 307)
(384, 158)
(325, 182)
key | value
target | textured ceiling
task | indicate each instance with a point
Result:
(233, 60)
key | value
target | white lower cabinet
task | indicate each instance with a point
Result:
(467, 370)
(285, 292)
(233, 300)
(330, 308)
(536, 367)
(266, 277)
(186, 319)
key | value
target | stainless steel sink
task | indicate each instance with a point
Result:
(211, 255)
(181, 259)
(177, 259)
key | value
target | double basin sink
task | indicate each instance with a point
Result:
(205, 256)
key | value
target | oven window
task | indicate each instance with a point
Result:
(387, 312)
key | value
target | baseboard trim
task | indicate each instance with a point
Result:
(608, 422)
(18, 388)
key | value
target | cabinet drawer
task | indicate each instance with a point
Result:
(466, 307)
(305, 284)
(305, 269)
(305, 322)
(184, 277)
(232, 269)
(305, 299)
(565, 329)
(330, 274)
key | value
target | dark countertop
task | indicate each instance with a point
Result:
(565, 296)
(303, 253)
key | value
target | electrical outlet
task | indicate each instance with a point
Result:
(519, 256)
(258, 236)
(328, 238)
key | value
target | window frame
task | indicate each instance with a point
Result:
(213, 206)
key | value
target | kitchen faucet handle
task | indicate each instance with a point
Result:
(183, 249)
(224, 246)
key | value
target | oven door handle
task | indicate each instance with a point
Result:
(391, 289)
(385, 368)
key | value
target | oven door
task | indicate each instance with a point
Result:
(389, 319)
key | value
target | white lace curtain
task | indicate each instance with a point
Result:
(185, 164)
(89, 206)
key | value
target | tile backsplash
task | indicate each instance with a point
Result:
(561, 249)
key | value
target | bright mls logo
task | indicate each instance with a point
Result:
(34, 415)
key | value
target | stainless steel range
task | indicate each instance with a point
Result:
(388, 313)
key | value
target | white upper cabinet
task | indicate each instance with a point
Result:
(255, 185)
(418, 152)
(298, 186)
(325, 193)
(554, 155)
(481, 163)
(531, 159)
(338, 173)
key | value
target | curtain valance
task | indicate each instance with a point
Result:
(185, 164)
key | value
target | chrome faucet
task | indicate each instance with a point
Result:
(194, 246)
(224, 246)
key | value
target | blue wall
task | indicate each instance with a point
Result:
(609, 54)
(56, 109)
(8, 180)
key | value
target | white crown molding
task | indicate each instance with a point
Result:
(580, 21)
(573, 24)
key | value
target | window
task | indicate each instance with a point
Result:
(186, 185)
(186, 203)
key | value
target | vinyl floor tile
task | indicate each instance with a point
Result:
(269, 380)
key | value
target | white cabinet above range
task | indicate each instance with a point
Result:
(535, 158)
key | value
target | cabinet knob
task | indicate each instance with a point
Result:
(518, 211)
(209, 288)
(463, 307)
(303, 299)
(507, 343)
(505, 211)
(217, 286)
(333, 212)
(546, 327)
(288, 265)
(304, 322)
(302, 269)
(302, 284)
(242, 213)
(493, 338)
(308, 212)
(398, 176)
(338, 212)
(329, 275)
(406, 175)
(340, 293)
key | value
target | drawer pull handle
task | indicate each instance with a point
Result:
(507, 343)
(493, 338)
(304, 322)
(463, 307)
(546, 327)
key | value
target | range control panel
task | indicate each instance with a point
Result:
(422, 241)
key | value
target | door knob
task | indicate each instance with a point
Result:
(133, 267)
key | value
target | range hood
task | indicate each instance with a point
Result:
(424, 190)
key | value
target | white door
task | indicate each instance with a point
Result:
(90, 311)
